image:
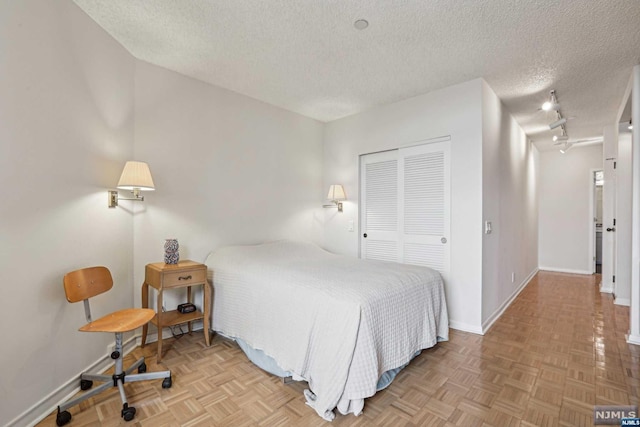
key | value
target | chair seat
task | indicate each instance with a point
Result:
(120, 321)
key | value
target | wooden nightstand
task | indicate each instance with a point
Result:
(163, 276)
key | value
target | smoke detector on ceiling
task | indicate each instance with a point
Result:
(361, 24)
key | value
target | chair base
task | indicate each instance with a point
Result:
(116, 380)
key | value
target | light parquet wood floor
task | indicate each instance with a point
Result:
(557, 351)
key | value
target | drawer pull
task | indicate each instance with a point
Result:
(184, 277)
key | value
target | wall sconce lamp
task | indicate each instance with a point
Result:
(136, 177)
(336, 194)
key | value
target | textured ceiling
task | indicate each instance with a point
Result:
(306, 56)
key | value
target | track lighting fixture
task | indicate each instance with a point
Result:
(567, 147)
(630, 125)
(547, 106)
(560, 122)
(552, 103)
(563, 139)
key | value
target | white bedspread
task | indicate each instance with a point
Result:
(338, 322)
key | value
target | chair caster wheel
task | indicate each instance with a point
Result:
(85, 384)
(63, 418)
(166, 383)
(142, 368)
(128, 413)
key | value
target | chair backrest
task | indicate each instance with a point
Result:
(85, 283)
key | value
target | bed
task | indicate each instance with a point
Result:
(335, 321)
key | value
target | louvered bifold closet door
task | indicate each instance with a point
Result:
(405, 205)
(379, 237)
(425, 198)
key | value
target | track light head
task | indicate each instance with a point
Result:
(552, 103)
(567, 147)
(560, 138)
(630, 125)
(548, 106)
(558, 123)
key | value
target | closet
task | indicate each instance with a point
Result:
(405, 205)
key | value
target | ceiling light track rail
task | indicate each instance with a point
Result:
(553, 105)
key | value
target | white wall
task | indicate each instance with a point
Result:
(510, 202)
(565, 218)
(623, 220)
(454, 111)
(634, 312)
(66, 114)
(228, 169)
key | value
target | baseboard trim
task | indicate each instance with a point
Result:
(606, 289)
(41, 409)
(565, 270)
(622, 301)
(633, 339)
(465, 327)
(486, 325)
(49, 403)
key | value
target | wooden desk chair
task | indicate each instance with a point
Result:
(80, 285)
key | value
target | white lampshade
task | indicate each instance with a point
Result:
(136, 175)
(336, 192)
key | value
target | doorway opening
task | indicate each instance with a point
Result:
(597, 182)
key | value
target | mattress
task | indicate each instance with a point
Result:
(337, 322)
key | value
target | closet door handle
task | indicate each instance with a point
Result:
(611, 229)
(364, 235)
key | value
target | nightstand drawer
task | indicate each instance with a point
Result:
(184, 278)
